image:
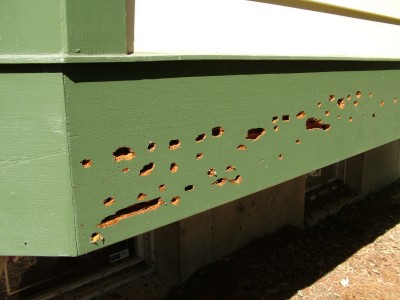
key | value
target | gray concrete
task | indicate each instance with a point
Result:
(184, 247)
(380, 167)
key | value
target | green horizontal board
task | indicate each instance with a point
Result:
(31, 27)
(36, 208)
(133, 105)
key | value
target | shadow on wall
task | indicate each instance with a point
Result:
(276, 267)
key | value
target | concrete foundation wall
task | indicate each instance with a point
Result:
(380, 167)
(184, 247)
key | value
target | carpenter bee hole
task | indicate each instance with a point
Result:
(173, 168)
(199, 156)
(280, 156)
(151, 147)
(382, 103)
(313, 123)
(373, 115)
(162, 188)
(338, 117)
(394, 100)
(125, 170)
(109, 201)
(275, 119)
(201, 137)
(285, 118)
(237, 180)
(220, 181)
(189, 188)
(175, 200)
(86, 163)
(217, 131)
(341, 103)
(348, 97)
(130, 211)
(301, 115)
(276, 128)
(358, 94)
(327, 113)
(331, 98)
(370, 95)
(96, 237)
(350, 119)
(355, 103)
(174, 144)
(230, 168)
(241, 147)
(141, 197)
(147, 169)
(211, 172)
(255, 134)
(298, 142)
(123, 153)
(319, 105)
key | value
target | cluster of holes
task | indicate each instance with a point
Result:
(253, 134)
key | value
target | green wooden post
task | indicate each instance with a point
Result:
(99, 146)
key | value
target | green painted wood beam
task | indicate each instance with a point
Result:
(109, 151)
(31, 27)
(169, 114)
(96, 27)
(36, 209)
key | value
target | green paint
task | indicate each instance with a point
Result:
(37, 214)
(30, 27)
(112, 107)
(96, 26)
